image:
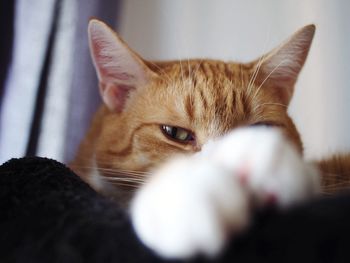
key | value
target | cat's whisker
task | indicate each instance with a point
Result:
(168, 79)
(135, 186)
(332, 182)
(128, 175)
(330, 186)
(335, 187)
(117, 172)
(260, 62)
(124, 171)
(261, 116)
(198, 66)
(102, 162)
(339, 180)
(131, 183)
(126, 184)
(255, 74)
(331, 192)
(182, 73)
(122, 179)
(119, 175)
(250, 80)
(245, 98)
(241, 75)
(111, 169)
(338, 174)
(189, 67)
(124, 174)
(269, 103)
(267, 77)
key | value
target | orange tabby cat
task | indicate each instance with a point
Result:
(154, 110)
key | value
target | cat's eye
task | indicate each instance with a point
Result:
(177, 133)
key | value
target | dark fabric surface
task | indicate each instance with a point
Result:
(7, 15)
(47, 214)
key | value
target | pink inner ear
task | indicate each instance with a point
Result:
(114, 75)
(121, 94)
(119, 70)
(115, 96)
(105, 63)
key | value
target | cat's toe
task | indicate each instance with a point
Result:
(185, 210)
(279, 175)
(267, 164)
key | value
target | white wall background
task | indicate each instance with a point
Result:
(242, 30)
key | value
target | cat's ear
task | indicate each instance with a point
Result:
(119, 69)
(279, 69)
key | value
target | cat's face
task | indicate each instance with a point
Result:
(154, 110)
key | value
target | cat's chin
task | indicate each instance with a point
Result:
(192, 205)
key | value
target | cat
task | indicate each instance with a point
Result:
(191, 148)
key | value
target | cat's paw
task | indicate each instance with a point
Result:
(190, 206)
(267, 164)
(193, 204)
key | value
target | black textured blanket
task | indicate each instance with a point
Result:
(47, 214)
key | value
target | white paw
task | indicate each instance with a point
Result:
(189, 207)
(192, 205)
(267, 164)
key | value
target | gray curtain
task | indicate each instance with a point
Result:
(70, 92)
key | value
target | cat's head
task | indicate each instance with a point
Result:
(154, 110)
